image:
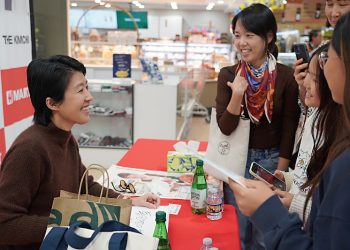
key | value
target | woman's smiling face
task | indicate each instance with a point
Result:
(312, 97)
(251, 46)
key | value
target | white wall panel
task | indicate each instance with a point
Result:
(15, 35)
(13, 130)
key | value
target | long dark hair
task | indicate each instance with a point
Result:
(340, 43)
(324, 125)
(259, 19)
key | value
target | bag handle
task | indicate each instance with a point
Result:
(103, 172)
(53, 240)
(79, 242)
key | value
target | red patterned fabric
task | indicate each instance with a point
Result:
(259, 100)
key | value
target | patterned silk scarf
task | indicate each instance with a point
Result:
(261, 86)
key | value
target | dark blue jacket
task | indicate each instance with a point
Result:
(329, 218)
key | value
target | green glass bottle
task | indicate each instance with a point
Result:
(199, 190)
(160, 231)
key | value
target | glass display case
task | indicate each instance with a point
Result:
(97, 46)
(191, 55)
(111, 116)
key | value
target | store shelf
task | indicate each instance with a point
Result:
(111, 116)
(191, 54)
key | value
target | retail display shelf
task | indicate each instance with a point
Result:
(87, 42)
(111, 115)
(190, 55)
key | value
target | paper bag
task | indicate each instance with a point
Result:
(70, 208)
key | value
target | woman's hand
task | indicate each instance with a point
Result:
(285, 197)
(251, 198)
(299, 71)
(239, 85)
(279, 175)
(149, 200)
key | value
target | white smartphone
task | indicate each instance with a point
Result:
(262, 174)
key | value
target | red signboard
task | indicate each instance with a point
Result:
(15, 95)
(2, 145)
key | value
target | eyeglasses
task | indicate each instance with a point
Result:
(322, 59)
(124, 187)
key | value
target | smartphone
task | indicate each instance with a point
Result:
(262, 174)
(300, 50)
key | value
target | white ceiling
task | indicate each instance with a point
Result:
(227, 6)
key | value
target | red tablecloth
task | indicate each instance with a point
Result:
(186, 230)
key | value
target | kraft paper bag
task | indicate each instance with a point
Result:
(70, 208)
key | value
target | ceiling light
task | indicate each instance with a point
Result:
(74, 4)
(284, 1)
(173, 5)
(210, 6)
(97, 1)
(102, 3)
(108, 5)
(221, 2)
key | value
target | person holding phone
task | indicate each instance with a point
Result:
(320, 129)
(268, 93)
(334, 9)
(44, 158)
(328, 224)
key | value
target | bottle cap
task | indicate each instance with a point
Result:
(207, 241)
(160, 216)
(199, 162)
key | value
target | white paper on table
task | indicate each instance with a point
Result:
(144, 219)
(166, 185)
(174, 209)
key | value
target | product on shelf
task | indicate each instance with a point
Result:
(151, 68)
(96, 109)
(90, 139)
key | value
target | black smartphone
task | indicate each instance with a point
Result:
(300, 50)
(263, 174)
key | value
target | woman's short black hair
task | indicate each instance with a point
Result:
(49, 78)
(258, 19)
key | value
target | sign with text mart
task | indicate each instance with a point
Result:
(15, 95)
(2, 145)
(15, 53)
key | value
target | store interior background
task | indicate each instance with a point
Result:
(53, 35)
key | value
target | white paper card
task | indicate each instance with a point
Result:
(174, 209)
(144, 219)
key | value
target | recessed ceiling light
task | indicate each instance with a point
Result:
(74, 4)
(108, 5)
(97, 1)
(221, 2)
(174, 5)
(210, 6)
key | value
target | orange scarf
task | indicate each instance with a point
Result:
(259, 94)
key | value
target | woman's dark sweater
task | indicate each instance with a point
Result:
(41, 162)
(281, 131)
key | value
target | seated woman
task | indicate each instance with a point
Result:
(44, 158)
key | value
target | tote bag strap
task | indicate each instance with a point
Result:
(53, 240)
(118, 241)
(79, 242)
